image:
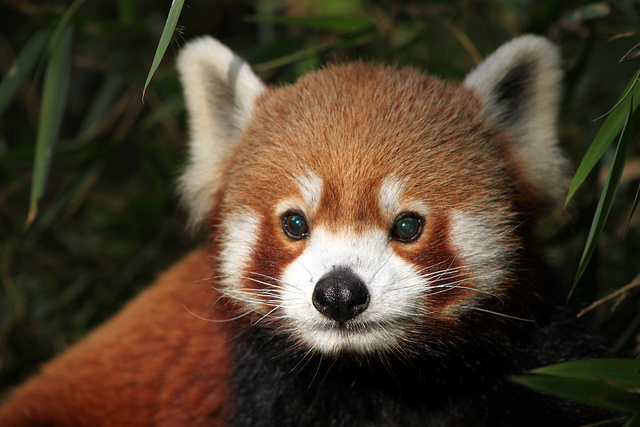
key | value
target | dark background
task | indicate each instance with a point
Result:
(109, 220)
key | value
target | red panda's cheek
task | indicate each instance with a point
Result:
(272, 252)
(479, 247)
(486, 244)
(252, 255)
(464, 258)
(431, 251)
(436, 261)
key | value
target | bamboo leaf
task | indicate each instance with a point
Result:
(632, 53)
(627, 90)
(63, 23)
(165, 39)
(56, 82)
(608, 192)
(21, 68)
(101, 102)
(607, 133)
(590, 392)
(606, 383)
(613, 370)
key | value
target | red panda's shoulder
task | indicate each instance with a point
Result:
(134, 368)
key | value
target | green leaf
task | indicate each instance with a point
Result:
(165, 39)
(101, 102)
(613, 370)
(590, 392)
(607, 133)
(627, 90)
(340, 24)
(21, 68)
(608, 192)
(63, 23)
(606, 383)
(55, 88)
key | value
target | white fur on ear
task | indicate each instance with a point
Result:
(520, 87)
(220, 90)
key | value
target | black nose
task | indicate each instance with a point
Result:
(340, 295)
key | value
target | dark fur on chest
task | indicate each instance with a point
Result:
(465, 385)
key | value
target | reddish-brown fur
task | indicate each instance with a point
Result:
(155, 363)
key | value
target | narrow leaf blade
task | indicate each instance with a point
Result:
(606, 383)
(107, 94)
(607, 133)
(165, 39)
(608, 193)
(632, 53)
(20, 70)
(590, 392)
(55, 88)
(612, 370)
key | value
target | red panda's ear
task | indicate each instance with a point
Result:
(519, 85)
(220, 90)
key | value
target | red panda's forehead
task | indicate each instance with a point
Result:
(357, 127)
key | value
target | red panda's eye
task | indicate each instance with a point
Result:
(294, 225)
(407, 227)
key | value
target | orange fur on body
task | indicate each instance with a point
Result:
(156, 363)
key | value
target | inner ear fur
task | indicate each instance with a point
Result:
(220, 90)
(520, 86)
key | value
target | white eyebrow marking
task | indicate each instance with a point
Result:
(392, 202)
(389, 196)
(310, 186)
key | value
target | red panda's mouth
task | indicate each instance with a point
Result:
(355, 336)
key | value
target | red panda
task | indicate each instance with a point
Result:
(371, 259)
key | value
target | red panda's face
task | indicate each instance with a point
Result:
(363, 203)
(364, 208)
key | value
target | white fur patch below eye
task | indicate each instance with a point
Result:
(240, 236)
(483, 247)
(396, 293)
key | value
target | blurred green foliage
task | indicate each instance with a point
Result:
(107, 218)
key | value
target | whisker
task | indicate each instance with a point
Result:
(499, 314)
(253, 323)
(214, 320)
